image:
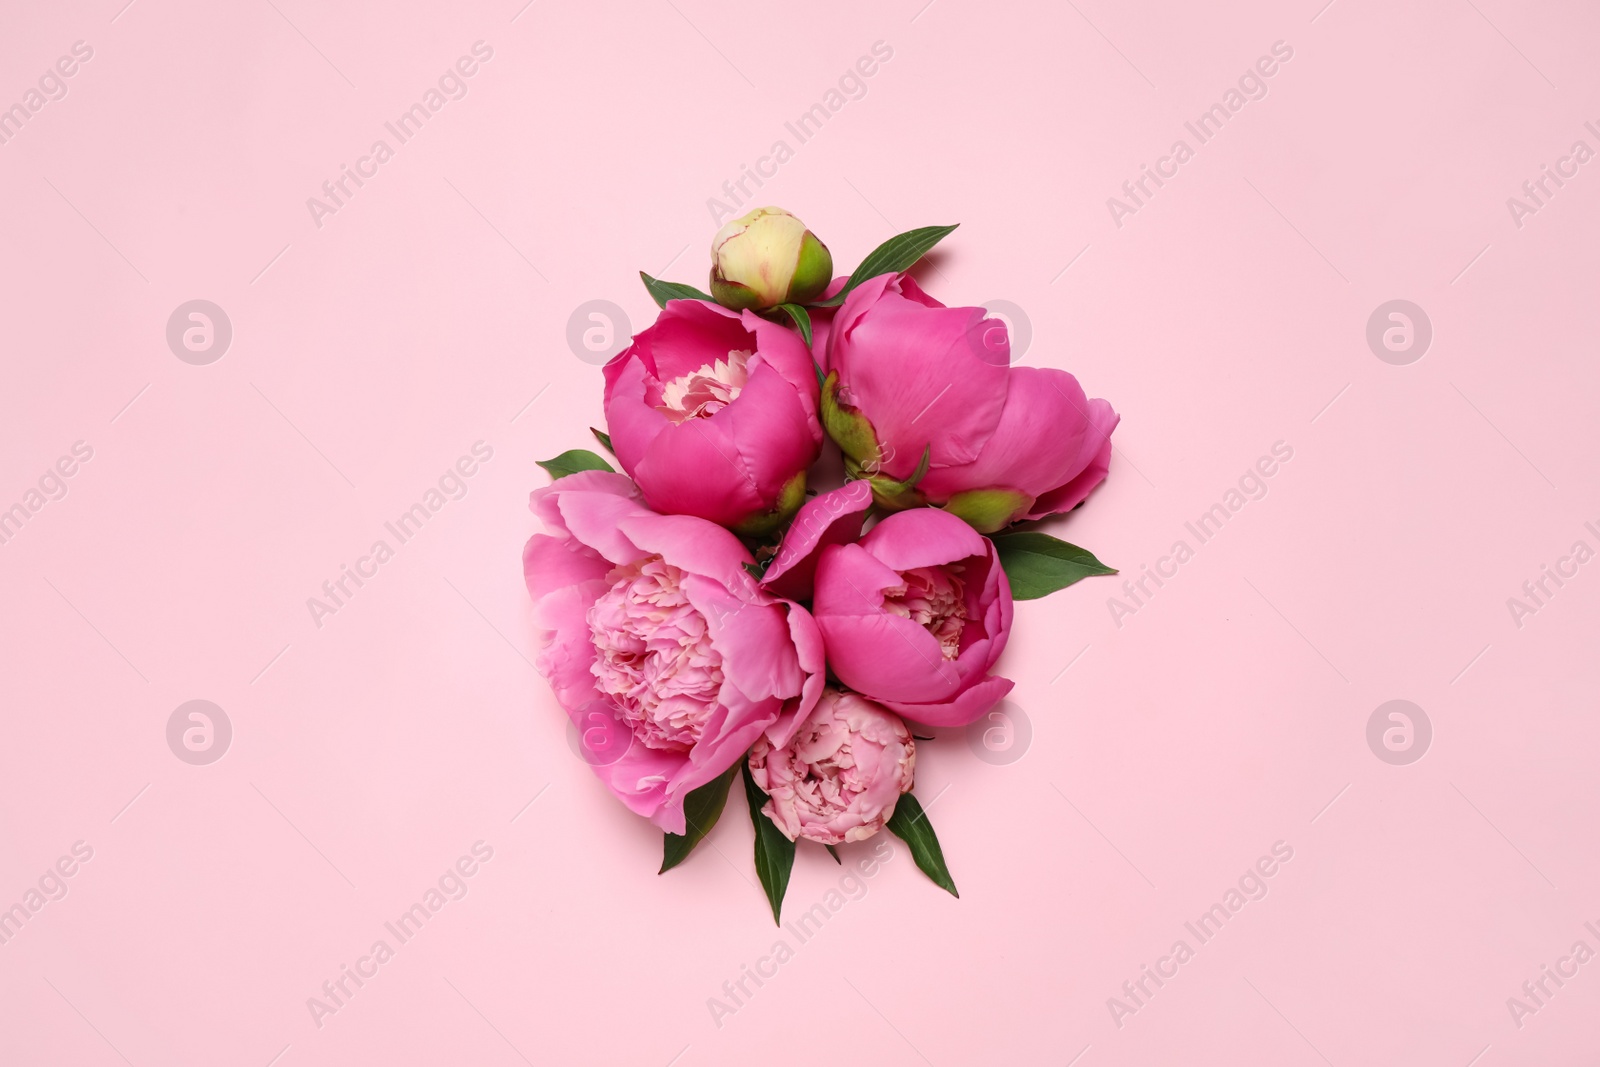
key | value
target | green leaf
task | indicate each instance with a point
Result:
(898, 253)
(701, 809)
(910, 823)
(802, 319)
(774, 852)
(661, 291)
(1038, 564)
(835, 854)
(572, 462)
(756, 570)
(604, 439)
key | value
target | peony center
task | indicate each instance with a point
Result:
(934, 598)
(653, 655)
(702, 393)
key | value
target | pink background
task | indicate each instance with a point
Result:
(431, 311)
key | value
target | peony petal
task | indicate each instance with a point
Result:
(543, 502)
(772, 428)
(822, 324)
(1046, 436)
(632, 423)
(786, 352)
(809, 652)
(688, 334)
(694, 468)
(753, 638)
(830, 518)
(886, 656)
(595, 519)
(693, 545)
(923, 537)
(966, 707)
(1077, 490)
(850, 581)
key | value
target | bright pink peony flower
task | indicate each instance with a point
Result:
(915, 615)
(659, 644)
(908, 375)
(841, 774)
(714, 413)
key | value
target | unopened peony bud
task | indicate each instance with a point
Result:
(767, 258)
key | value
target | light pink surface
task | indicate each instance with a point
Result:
(431, 312)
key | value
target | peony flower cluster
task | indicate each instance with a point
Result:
(709, 612)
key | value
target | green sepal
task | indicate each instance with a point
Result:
(988, 510)
(849, 428)
(790, 498)
(896, 495)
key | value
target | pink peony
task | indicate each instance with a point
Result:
(841, 774)
(714, 413)
(915, 615)
(658, 643)
(909, 376)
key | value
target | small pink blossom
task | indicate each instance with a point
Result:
(840, 776)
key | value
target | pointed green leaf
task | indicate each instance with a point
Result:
(661, 291)
(774, 852)
(1037, 564)
(604, 439)
(572, 462)
(910, 823)
(898, 253)
(802, 320)
(701, 809)
(835, 854)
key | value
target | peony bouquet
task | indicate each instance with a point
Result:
(710, 611)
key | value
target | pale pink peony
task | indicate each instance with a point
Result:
(660, 647)
(654, 656)
(840, 776)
